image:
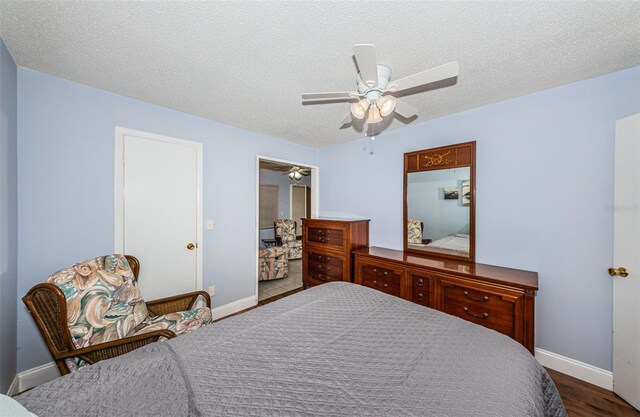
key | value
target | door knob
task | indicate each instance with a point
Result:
(191, 246)
(622, 271)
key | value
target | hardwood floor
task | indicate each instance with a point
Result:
(582, 399)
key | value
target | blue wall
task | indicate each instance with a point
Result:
(66, 172)
(8, 217)
(552, 151)
(544, 192)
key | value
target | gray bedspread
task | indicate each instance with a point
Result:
(334, 350)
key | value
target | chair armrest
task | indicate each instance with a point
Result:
(108, 350)
(177, 303)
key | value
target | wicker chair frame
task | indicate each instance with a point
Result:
(48, 307)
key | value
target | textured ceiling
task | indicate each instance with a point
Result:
(247, 63)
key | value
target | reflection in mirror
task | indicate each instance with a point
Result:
(438, 210)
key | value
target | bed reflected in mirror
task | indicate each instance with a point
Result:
(438, 205)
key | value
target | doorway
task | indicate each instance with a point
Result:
(158, 212)
(286, 191)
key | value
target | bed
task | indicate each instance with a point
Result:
(458, 242)
(338, 349)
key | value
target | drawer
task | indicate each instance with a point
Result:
(325, 259)
(329, 270)
(481, 307)
(333, 237)
(317, 277)
(385, 280)
(421, 291)
(421, 297)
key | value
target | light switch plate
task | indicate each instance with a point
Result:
(212, 291)
(209, 225)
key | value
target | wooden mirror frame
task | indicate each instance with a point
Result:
(444, 157)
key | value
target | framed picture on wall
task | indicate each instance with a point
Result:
(450, 193)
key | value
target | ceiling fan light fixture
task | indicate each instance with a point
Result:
(374, 115)
(359, 109)
(386, 104)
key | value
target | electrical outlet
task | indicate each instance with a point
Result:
(212, 291)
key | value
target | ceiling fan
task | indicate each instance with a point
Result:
(375, 90)
(296, 173)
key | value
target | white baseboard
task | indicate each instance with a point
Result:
(33, 377)
(234, 307)
(576, 369)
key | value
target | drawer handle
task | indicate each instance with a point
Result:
(380, 273)
(383, 285)
(480, 316)
(480, 300)
(420, 296)
(420, 282)
(323, 269)
(323, 278)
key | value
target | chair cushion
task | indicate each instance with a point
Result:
(180, 322)
(103, 299)
(294, 249)
(414, 231)
(285, 230)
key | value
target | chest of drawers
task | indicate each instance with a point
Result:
(327, 247)
(499, 298)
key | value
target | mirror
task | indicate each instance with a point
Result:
(439, 206)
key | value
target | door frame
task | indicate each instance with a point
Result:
(306, 203)
(120, 133)
(315, 198)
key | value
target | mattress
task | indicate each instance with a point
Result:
(457, 243)
(338, 349)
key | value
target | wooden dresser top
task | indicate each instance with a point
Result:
(497, 274)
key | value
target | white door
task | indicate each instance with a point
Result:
(160, 218)
(626, 290)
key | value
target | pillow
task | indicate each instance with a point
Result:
(10, 407)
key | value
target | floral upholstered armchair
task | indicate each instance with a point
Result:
(415, 229)
(285, 230)
(273, 263)
(93, 310)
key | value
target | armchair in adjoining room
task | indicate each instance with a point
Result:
(272, 263)
(93, 310)
(285, 230)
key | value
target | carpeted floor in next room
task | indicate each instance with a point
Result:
(268, 289)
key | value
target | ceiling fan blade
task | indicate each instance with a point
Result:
(344, 95)
(346, 120)
(367, 63)
(429, 76)
(405, 109)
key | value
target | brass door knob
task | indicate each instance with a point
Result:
(191, 246)
(622, 271)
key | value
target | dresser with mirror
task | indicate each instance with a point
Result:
(437, 267)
